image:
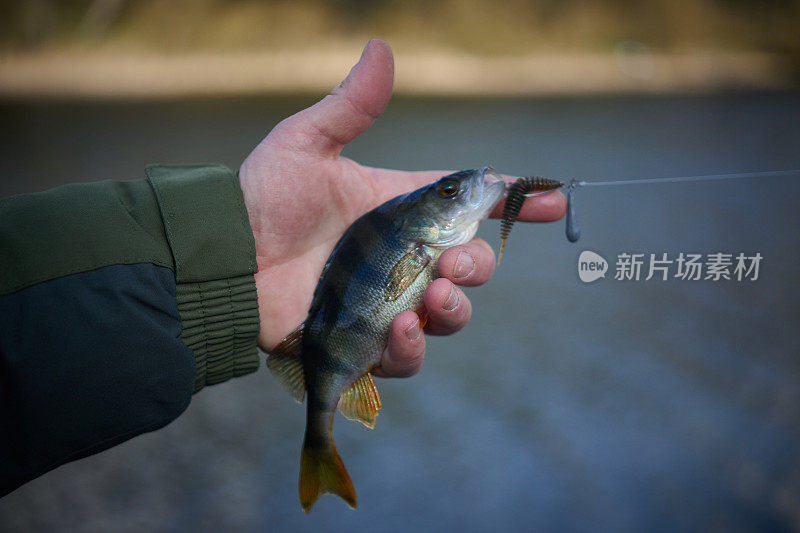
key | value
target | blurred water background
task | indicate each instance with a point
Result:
(563, 406)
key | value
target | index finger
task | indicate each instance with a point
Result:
(546, 207)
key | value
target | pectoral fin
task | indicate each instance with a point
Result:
(286, 364)
(361, 401)
(405, 272)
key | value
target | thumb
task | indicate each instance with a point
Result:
(352, 106)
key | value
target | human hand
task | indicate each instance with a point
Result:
(301, 196)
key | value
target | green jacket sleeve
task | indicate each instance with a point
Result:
(214, 258)
(118, 301)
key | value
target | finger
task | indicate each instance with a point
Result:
(406, 349)
(350, 109)
(448, 307)
(469, 265)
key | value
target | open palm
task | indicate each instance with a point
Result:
(301, 196)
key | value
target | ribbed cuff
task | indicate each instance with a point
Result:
(212, 244)
(220, 325)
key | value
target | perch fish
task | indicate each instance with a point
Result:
(380, 267)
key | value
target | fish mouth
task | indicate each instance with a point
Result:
(487, 190)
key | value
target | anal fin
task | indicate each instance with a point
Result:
(286, 364)
(361, 401)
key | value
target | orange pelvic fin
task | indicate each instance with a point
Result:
(361, 401)
(422, 313)
(322, 471)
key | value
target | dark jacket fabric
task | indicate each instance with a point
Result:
(118, 301)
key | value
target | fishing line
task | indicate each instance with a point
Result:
(533, 186)
(707, 177)
(573, 230)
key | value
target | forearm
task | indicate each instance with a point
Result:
(117, 302)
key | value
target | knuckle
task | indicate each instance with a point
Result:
(406, 365)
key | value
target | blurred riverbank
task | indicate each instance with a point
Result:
(121, 49)
(630, 68)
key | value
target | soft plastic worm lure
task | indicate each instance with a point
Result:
(515, 197)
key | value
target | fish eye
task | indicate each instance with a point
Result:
(448, 189)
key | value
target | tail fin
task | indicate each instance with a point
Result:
(322, 471)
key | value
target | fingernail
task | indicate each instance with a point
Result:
(364, 51)
(465, 264)
(452, 300)
(413, 331)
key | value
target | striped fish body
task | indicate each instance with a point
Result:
(348, 323)
(380, 267)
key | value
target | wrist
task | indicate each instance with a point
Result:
(212, 244)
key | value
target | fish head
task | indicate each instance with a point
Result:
(447, 212)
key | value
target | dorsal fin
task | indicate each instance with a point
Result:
(286, 364)
(361, 401)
